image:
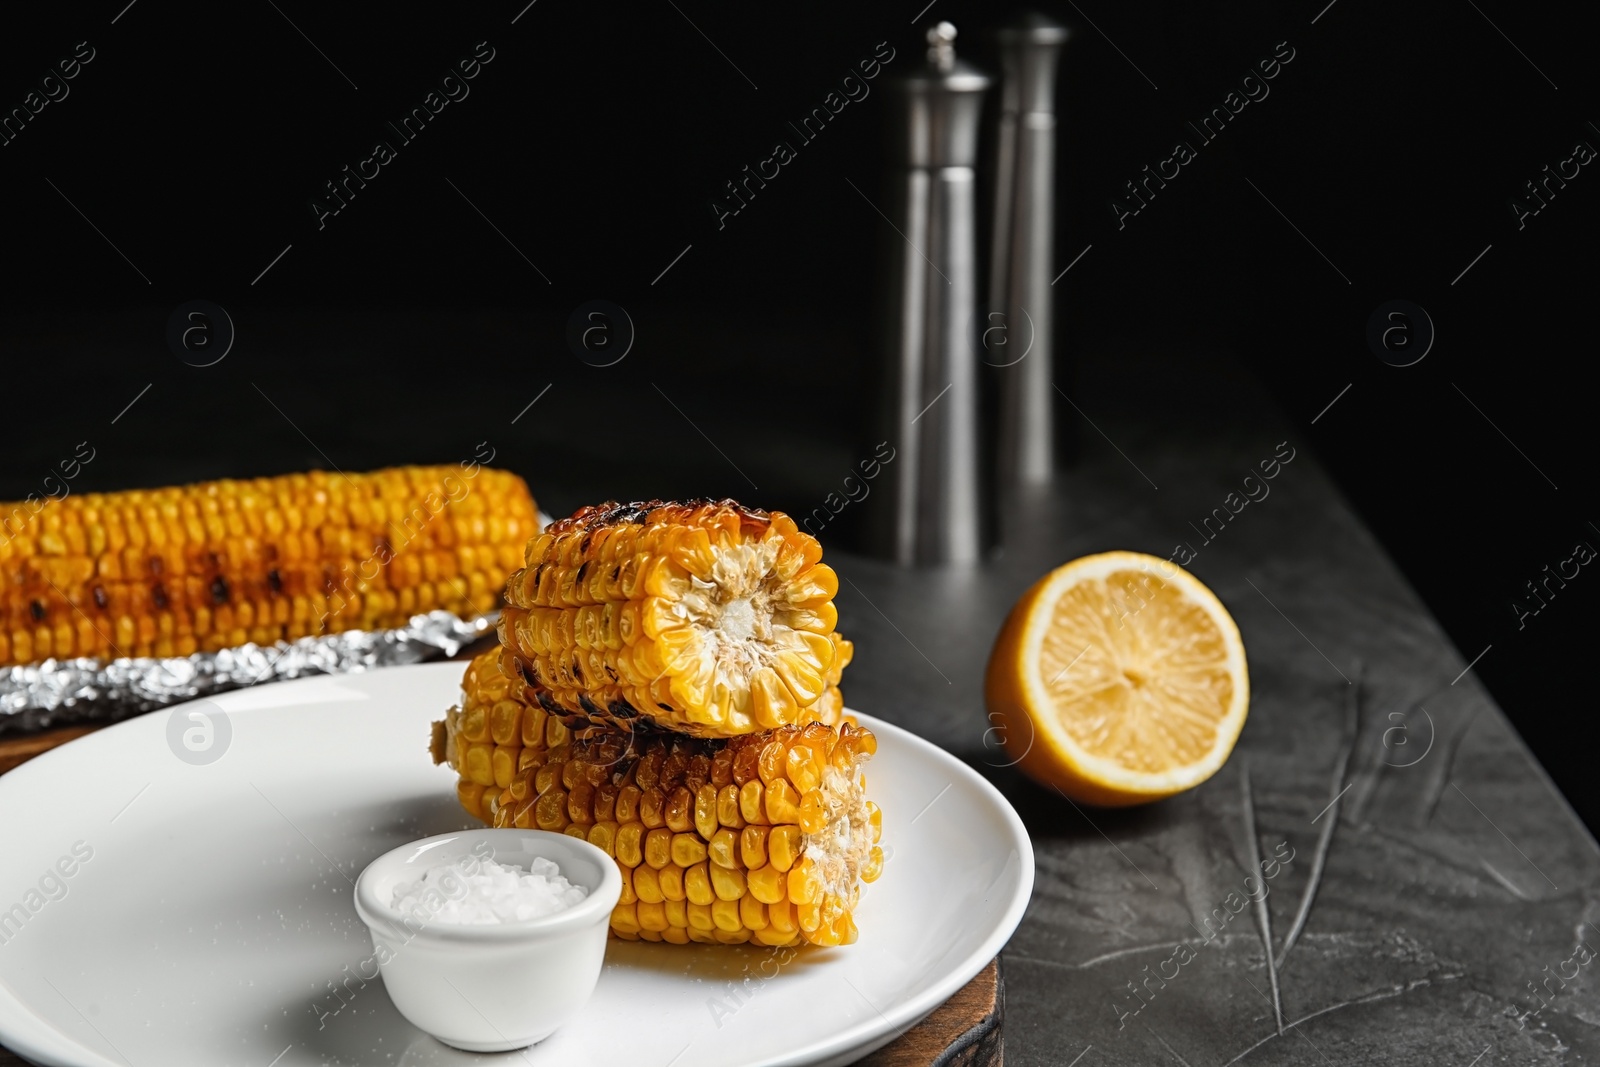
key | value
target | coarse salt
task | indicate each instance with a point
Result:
(477, 891)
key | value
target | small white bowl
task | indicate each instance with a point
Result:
(496, 986)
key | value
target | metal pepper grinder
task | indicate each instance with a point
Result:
(936, 510)
(1020, 294)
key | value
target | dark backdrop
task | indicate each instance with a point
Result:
(181, 161)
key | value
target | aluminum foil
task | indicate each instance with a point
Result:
(64, 692)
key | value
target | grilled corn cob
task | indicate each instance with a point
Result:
(704, 617)
(764, 837)
(484, 736)
(168, 572)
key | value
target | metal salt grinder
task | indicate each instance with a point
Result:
(1023, 252)
(936, 511)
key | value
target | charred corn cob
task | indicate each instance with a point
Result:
(764, 837)
(168, 572)
(484, 736)
(707, 618)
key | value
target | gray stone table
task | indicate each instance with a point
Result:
(1450, 895)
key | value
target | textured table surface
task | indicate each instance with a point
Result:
(1457, 908)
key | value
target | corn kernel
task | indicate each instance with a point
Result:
(629, 844)
(697, 884)
(647, 886)
(767, 884)
(707, 811)
(728, 812)
(784, 844)
(670, 879)
(688, 850)
(752, 803)
(729, 885)
(725, 914)
(804, 885)
(651, 916)
(783, 803)
(724, 849)
(658, 847)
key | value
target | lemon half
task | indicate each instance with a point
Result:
(1118, 678)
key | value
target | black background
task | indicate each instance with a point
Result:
(415, 323)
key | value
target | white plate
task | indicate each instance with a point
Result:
(215, 907)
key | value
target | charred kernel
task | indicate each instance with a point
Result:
(101, 600)
(580, 803)
(680, 810)
(698, 772)
(219, 590)
(648, 769)
(746, 764)
(605, 802)
(722, 769)
(650, 808)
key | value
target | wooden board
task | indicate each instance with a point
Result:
(962, 1032)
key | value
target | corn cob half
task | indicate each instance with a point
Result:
(707, 618)
(764, 837)
(169, 572)
(484, 736)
